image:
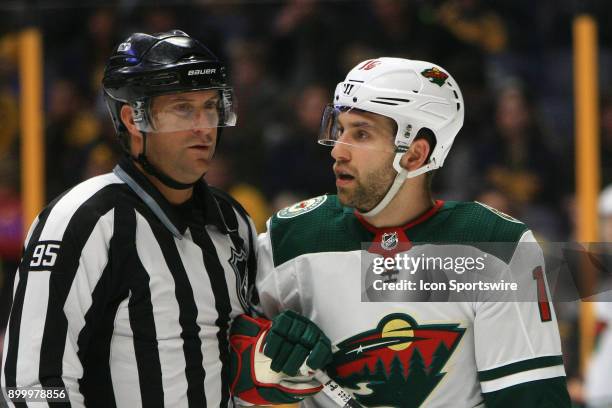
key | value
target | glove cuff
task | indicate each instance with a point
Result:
(254, 381)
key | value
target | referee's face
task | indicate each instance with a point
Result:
(184, 155)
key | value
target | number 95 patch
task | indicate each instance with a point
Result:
(44, 255)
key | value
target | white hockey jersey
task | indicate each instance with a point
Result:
(409, 354)
(599, 374)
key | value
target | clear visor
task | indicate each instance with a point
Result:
(186, 111)
(354, 127)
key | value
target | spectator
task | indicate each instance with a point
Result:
(294, 160)
(606, 140)
(599, 375)
(11, 235)
(305, 38)
(260, 100)
(222, 175)
(518, 163)
(71, 130)
(473, 24)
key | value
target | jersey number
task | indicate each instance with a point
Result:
(45, 254)
(543, 303)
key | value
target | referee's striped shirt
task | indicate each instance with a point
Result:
(126, 300)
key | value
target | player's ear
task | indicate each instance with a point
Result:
(127, 117)
(416, 156)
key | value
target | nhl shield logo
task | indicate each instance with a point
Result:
(389, 241)
(238, 261)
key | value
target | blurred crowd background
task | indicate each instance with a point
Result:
(512, 59)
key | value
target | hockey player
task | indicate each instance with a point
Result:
(391, 122)
(599, 373)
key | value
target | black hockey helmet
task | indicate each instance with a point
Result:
(144, 66)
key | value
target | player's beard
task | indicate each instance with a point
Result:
(369, 190)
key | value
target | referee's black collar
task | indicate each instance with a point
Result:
(213, 215)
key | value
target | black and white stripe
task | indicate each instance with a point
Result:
(128, 313)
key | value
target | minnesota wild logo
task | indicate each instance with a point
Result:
(435, 75)
(302, 207)
(398, 364)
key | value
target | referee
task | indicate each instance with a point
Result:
(129, 280)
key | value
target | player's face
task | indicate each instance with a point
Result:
(184, 155)
(363, 155)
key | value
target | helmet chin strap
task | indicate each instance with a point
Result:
(397, 184)
(158, 174)
(402, 175)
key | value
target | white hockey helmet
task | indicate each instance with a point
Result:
(605, 202)
(415, 94)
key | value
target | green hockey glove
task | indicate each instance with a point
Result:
(293, 341)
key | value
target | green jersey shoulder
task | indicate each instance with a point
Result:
(459, 222)
(311, 226)
(322, 224)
